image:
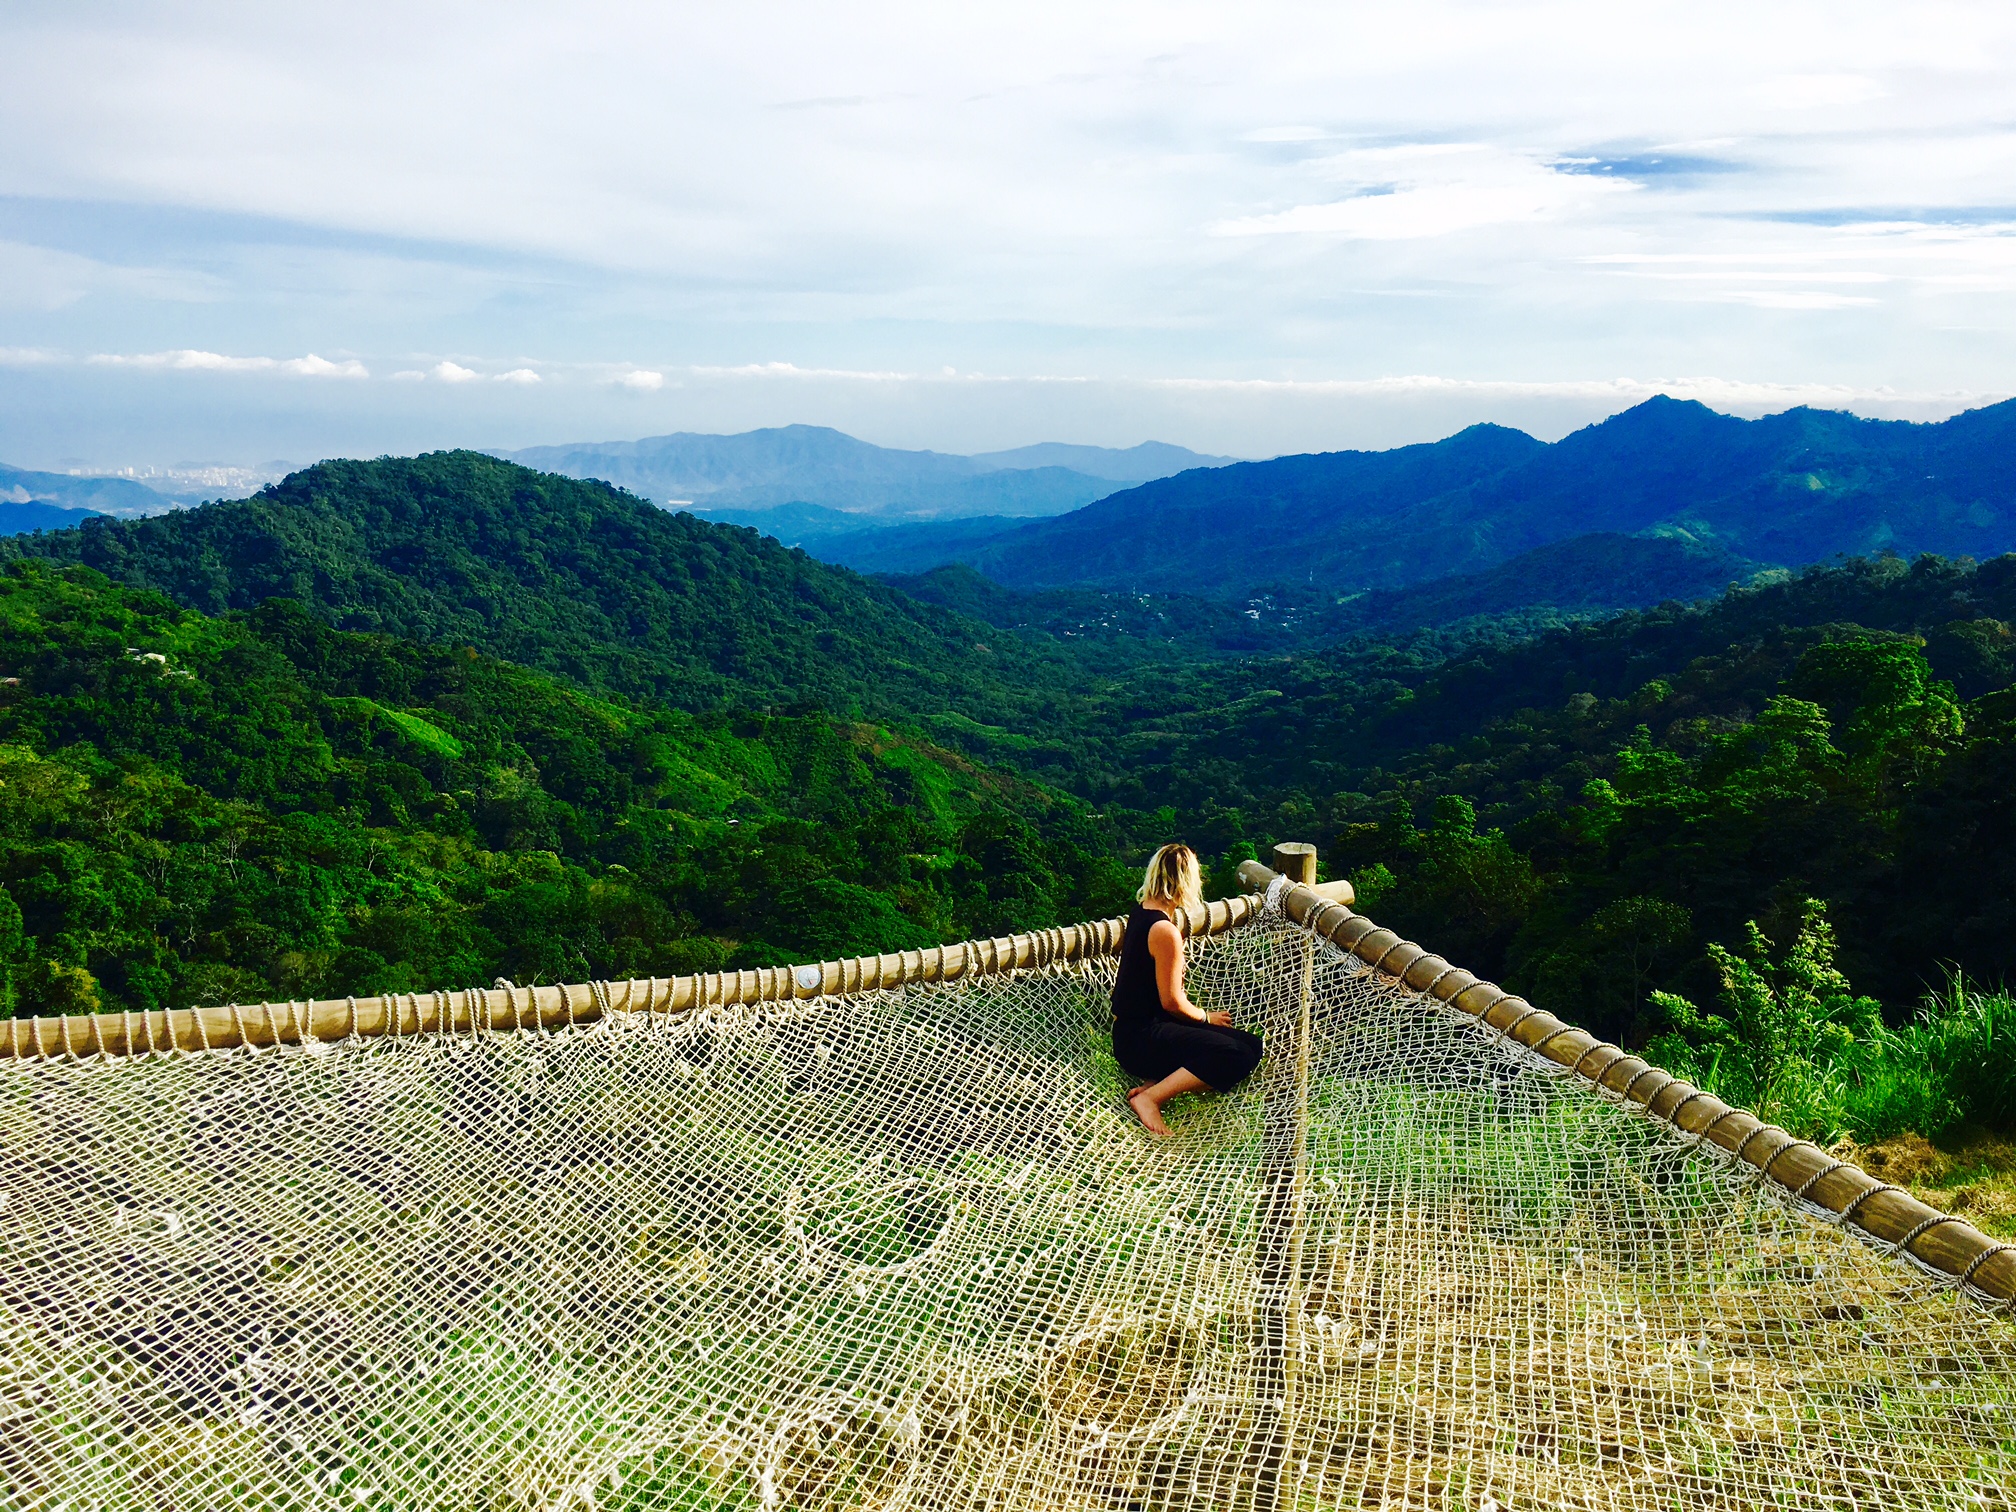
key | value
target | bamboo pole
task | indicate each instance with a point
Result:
(498, 1008)
(1946, 1244)
(1284, 1143)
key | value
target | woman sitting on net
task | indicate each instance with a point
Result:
(1158, 1033)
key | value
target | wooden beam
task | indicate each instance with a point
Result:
(461, 1010)
(1947, 1244)
(1284, 1160)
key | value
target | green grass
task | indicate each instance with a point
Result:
(1952, 1066)
(429, 737)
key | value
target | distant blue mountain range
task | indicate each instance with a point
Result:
(19, 519)
(731, 477)
(51, 501)
(1783, 491)
(1669, 499)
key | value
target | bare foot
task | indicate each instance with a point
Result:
(1149, 1112)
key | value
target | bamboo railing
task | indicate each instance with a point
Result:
(1946, 1244)
(500, 1008)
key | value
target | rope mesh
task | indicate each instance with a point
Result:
(909, 1250)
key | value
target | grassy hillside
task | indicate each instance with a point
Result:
(198, 808)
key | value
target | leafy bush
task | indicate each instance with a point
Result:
(1794, 1042)
(1782, 1028)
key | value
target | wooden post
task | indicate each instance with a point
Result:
(1284, 1157)
(1296, 861)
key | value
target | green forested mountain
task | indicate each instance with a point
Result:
(202, 809)
(1588, 577)
(1228, 531)
(1584, 576)
(457, 548)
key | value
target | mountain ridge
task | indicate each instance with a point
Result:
(1786, 490)
(123, 496)
(817, 465)
(20, 517)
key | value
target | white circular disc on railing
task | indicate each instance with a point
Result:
(807, 977)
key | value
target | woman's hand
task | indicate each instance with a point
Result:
(1222, 1019)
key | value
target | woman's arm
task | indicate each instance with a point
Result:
(1166, 946)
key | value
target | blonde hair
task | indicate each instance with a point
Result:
(1173, 873)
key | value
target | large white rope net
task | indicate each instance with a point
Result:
(909, 1250)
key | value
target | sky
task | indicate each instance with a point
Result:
(239, 233)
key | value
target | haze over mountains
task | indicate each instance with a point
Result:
(813, 465)
(21, 486)
(825, 481)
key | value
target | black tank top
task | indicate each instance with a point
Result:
(1136, 997)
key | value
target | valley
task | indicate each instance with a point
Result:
(445, 718)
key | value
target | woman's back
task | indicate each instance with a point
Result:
(1171, 1044)
(1137, 997)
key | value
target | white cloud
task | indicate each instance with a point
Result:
(192, 360)
(518, 375)
(642, 378)
(1431, 189)
(409, 375)
(312, 366)
(1796, 299)
(1393, 188)
(453, 372)
(1815, 90)
(1286, 134)
(1404, 214)
(792, 370)
(50, 279)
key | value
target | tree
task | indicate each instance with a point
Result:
(1599, 972)
(10, 951)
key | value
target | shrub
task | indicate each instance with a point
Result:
(1783, 1030)
(1793, 1041)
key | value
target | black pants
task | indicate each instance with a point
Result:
(1219, 1057)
